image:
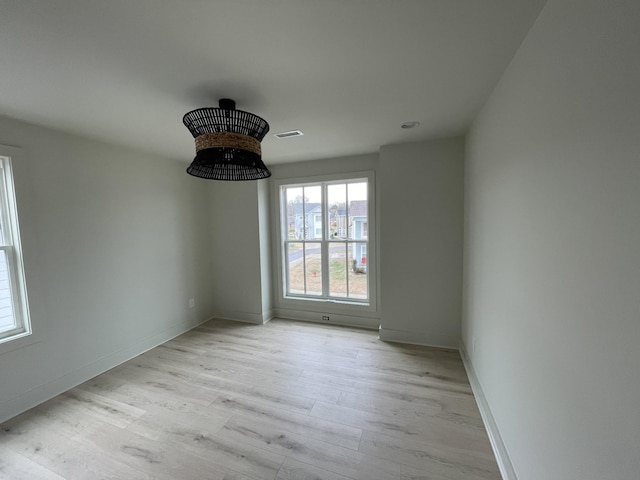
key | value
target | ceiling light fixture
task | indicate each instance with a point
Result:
(227, 143)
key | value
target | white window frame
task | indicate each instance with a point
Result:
(11, 245)
(322, 303)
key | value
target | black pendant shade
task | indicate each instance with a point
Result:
(227, 143)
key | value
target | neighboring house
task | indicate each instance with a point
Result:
(355, 226)
(343, 225)
(351, 225)
(307, 218)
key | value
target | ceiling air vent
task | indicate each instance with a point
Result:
(289, 134)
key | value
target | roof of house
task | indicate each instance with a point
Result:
(358, 208)
(308, 207)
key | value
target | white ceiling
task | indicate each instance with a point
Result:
(345, 72)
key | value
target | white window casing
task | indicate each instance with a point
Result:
(14, 307)
(334, 267)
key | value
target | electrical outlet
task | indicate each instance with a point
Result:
(192, 303)
(325, 318)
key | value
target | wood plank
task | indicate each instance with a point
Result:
(67, 457)
(406, 425)
(295, 470)
(184, 455)
(303, 425)
(17, 466)
(103, 408)
(340, 460)
(458, 463)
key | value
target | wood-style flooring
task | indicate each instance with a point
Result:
(284, 401)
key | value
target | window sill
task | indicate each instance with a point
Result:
(336, 301)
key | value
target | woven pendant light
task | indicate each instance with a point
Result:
(227, 143)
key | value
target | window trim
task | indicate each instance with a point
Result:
(13, 249)
(322, 304)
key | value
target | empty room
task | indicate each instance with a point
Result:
(328, 239)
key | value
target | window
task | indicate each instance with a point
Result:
(324, 240)
(14, 313)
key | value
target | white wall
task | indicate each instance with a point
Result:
(421, 225)
(419, 230)
(239, 250)
(264, 226)
(115, 243)
(552, 269)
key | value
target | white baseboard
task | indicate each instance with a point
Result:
(40, 394)
(246, 317)
(499, 449)
(413, 338)
(266, 317)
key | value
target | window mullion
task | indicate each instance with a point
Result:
(285, 266)
(347, 266)
(304, 241)
(348, 236)
(325, 244)
(304, 265)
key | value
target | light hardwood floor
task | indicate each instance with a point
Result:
(285, 401)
